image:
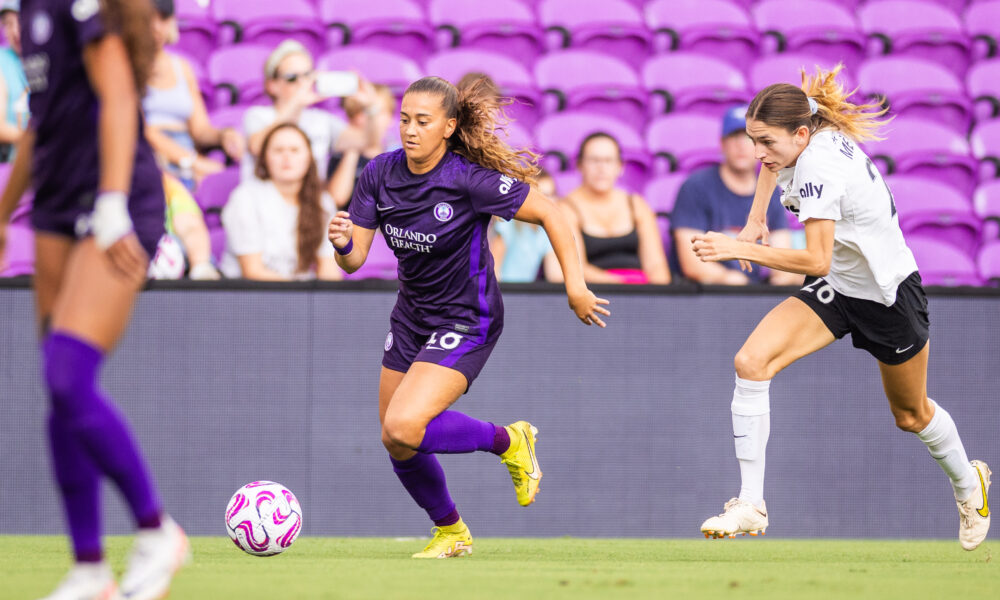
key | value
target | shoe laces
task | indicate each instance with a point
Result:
(733, 503)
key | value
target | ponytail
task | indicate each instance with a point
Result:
(133, 21)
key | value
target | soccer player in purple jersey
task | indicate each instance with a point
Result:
(433, 200)
(98, 214)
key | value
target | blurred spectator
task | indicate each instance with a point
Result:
(718, 198)
(13, 84)
(520, 249)
(176, 119)
(620, 240)
(290, 81)
(345, 167)
(276, 222)
(186, 222)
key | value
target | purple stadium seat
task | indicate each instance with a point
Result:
(377, 65)
(381, 263)
(513, 78)
(989, 263)
(503, 26)
(613, 27)
(684, 142)
(917, 28)
(918, 88)
(661, 193)
(716, 28)
(396, 25)
(931, 208)
(19, 253)
(228, 116)
(986, 203)
(268, 23)
(685, 82)
(198, 31)
(213, 192)
(786, 68)
(815, 27)
(237, 75)
(591, 81)
(517, 137)
(982, 22)
(983, 83)
(566, 182)
(928, 149)
(559, 137)
(985, 142)
(940, 263)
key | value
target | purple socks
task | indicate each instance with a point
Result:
(88, 437)
(423, 478)
(452, 432)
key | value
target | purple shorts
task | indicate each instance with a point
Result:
(444, 346)
(147, 212)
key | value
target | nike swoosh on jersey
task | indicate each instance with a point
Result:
(534, 463)
(984, 510)
(384, 208)
(898, 351)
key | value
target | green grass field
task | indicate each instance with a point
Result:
(334, 568)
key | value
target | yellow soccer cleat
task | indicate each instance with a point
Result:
(521, 461)
(449, 541)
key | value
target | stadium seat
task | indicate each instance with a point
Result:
(504, 26)
(613, 27)
(982, 22)
(688, 82)
(19, 252)
(396, 25)
(925, 148)
(683, 143)
(198, 30)
(988, 263)
(559, 137)
(815, 27)
(917, 28)
(661, 193)
(212, 195)
(985, 142)
(786, 68)
(228, 116)
(934, 209)
(592, 81)
(517, 136)
(717, 28)
(986, 203)
(940, 263)
(269, 23)
(380, 264)
(377, 65)
(237, 75)
(566, 181)
(513, 78)
(983, 83)
(918, 88)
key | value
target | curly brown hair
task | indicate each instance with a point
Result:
(479, 113)
(133, 21)
(312, 217)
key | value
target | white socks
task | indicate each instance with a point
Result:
(944, 444)
(751, 428)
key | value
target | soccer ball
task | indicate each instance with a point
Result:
(263, 518)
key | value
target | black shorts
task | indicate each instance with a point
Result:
(892, 334)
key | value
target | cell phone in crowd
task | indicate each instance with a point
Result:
(336, 83)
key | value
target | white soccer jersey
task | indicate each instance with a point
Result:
(833, 179)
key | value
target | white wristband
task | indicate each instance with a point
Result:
(110, 221)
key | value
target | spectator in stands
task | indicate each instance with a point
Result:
(13, 84)
(718, 198)
(186, 222)
(275, 222)
(176, 119)
(617, 230)
(290, 82)
(345, 167)
(520, 249)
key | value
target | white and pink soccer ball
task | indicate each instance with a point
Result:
(263, 518)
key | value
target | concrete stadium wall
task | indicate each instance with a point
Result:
(225, 387)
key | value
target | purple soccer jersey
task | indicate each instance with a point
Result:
(436, 223)
(64, 112)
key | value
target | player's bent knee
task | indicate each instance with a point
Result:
(397, 431)
(908, 420)
(751, 365)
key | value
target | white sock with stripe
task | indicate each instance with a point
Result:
(751, 427)
(943, 442)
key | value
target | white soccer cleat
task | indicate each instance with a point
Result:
(738, 517)
(87, 581)
(974, 511)
(156, 556)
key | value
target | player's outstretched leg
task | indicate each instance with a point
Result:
(522, 462)
(424, 479)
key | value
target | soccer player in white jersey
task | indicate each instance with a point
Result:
(861, 279)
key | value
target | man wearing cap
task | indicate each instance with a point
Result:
(718, 198)
(13, 84)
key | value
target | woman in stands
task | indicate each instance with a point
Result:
(861, 279)
(617, 230)
(434, 199)
(98, 214)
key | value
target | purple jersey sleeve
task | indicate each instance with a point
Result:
(493, 193)
(87, 21)
(364, 212)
